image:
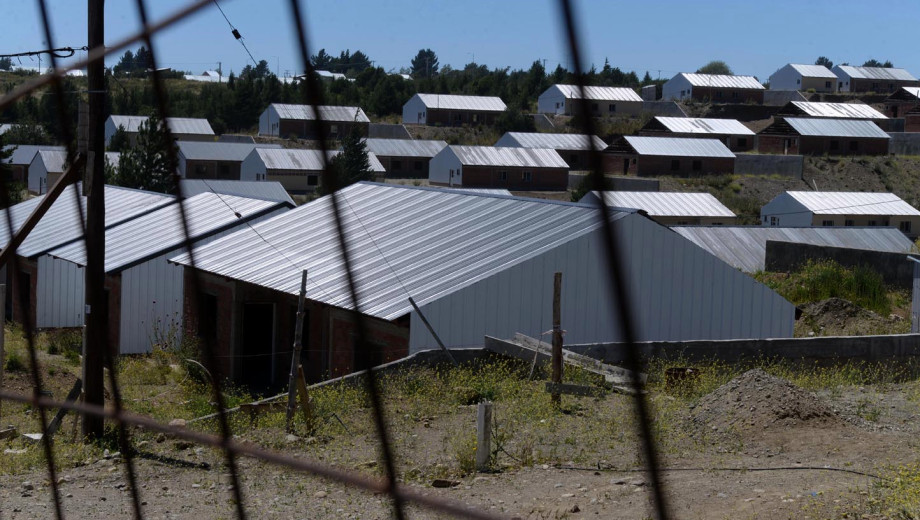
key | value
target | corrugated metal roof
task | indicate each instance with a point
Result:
(304, 160)
(396, 246)
(554, 141)
(853, 203)
(839, 110)
(481, 191)
(722, 81)
(506, 156)
(161, 231)
(327, 112)
(404, 147)
(217, 151)
(455, 102)
(678, 146)
(24, 153)
(261, 190)
(662, 204)
(836, 127)
(177, 125)
(879, 73)
(600, 93)
(53, 160)
(813, 71)
(745, 247)
(60, 224)
(914, 91)
(698, 125)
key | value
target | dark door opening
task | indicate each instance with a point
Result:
(207, 319)
(257, 346)
(625, 166)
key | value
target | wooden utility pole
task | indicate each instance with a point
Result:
(557, 338)
(95, 339)
(295, 358)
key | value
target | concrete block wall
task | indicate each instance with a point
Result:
(763, 164)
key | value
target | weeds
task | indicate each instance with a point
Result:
(819, 280)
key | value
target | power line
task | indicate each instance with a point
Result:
(236, 33)
(60, 52)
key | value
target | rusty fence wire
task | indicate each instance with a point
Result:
(399, 495)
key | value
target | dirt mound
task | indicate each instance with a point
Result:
(839, 317)
(756, 401)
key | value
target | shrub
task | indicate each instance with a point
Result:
(14, 362)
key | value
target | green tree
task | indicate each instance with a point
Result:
(321, 60)
(146, 165)
(425, 64)
(512, 120)
(6, 64)
(875, 63)
(823, 60)
(716, 67)
(27, 134)
(14, 188)
(351, 165)
(119, 141)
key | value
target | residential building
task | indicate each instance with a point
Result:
(282, 120)
(668, 156)
(831, 110)
(523, 169)
(735, 136)
(841, 209)
(405, 158)
(905, 102)
(795, 76)
(819, 136)
(23, 155)
(667, 208)
(474, 264)
(214, 160)
(45, 169)
(602, 101)
(181, 128)
(713, 88)
(259, 190)
(299, 171)
(452, 110)
(872, 79)
(575, 149)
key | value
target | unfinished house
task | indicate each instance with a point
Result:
(602, 101)
(667, 208)
(282, 120)
(735, 136)
(905, 103)
(523, 169)
(405, 158)
(299, 171)
(713, 88)
(181, 128)
(819, 136)
(841, 209)
(452, 110)
(796, 76)
(668, 156)
(872, 79)
(575, 149)
(145, 292)
(474, 264)
(211, 161)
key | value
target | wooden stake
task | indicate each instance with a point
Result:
(2, 334)
(557, 338)
(306, 406)
(483, 436)
(295, 358)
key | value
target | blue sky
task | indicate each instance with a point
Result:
(669, 36)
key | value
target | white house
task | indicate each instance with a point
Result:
(794, 76)
(452, 110)
(716, 88)
(834, 208)
(182, 128)
(46, 168)
(298, 170)
(603, 101)
(285, 120)
(499, 167)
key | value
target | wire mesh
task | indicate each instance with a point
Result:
(400, 495)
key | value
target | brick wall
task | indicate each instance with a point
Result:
(223, 170)
(436, 117)
(728, 95)
(307, 129)
(775, 144)
(844, 146)
(653, 166)
(392, 339)
(556, 179)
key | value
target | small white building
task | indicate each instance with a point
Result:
(837, 208)
(499, 167)
(182, 128)
(285, 120)
(575, 149)
(715, 88)
(21, 159)
(298, 170)
(603, 101)
(46, 168)
(452, 110)
(145, 291)
(795, 76)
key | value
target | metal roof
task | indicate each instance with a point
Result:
(404, 147)
(745, 247)
(554, 141)
(722, 81)
(599, 93)
(299, 159)
(160, 231)
(698, 125)
(261, 190)
(455, 102)
(839, 110)
(397, 248)
(662, 204)
(327, 112)
(60, 224)
(852, 203)
(879, 73)
(479, 191)
(53, 160)
(24, 153)
(177, 125)
(217, 151)
(678, 146)
(507, 156)
(819, 127)
(913, 91)
(813, 71)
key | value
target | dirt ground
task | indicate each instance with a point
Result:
(753, 448)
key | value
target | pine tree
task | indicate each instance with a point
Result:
(146, 165)
(351, 165)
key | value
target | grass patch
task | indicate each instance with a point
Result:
(819, 280)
